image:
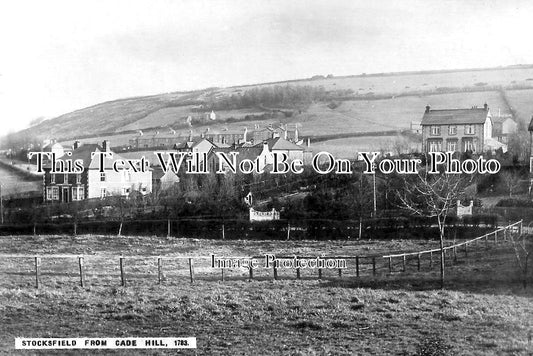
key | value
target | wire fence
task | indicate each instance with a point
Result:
(107, 270)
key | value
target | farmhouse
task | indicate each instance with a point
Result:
(457, 130)
(92, 183)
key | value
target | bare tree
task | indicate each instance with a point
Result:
(511, 180)
(432, 196)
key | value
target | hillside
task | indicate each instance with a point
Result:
(350, 104)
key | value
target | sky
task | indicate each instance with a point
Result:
(58, 56)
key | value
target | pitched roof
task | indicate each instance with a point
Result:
(244, 152)
(279, 143)
(455, 116)
(83, 153)
(190, 144)
(501, 119)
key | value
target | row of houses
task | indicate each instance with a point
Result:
(91, 183)
(223, 136)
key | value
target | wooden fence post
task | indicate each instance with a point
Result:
(251, 270)
(159, 270)
(403, 263)
(298, 273)
(418, 262)
(37, 271)
(275, 272)
(390, 264)
(191, 269)
(373, 266)
(75, 229)
(288, 230)
(122, 277)
(357, 266)
(222, 276)
(34, 229)
(168, 228)
(486, 240)
(496, 237)
(466, 250)
(223, 233)
(320, 273)
(454, 253)
(340, 272)
(82, 278)
(430, 259)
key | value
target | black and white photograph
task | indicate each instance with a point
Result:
(266, 177)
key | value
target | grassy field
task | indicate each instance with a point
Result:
(350, 117)
(405, 82)
(178, 116)
(111, 117)
(348, 147)
(483, 311)
(521, 101)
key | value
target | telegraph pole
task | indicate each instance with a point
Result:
(374, 193)
(1, 204)
(530, 129)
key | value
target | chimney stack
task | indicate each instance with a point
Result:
(106, 146)
(427, 108)
(76, 144)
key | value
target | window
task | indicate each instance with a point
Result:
(52, 178)
(65, 178)
(452, 130)
(434, 146)
(48, 193)
(435, 130)
(55, 193)
(102, 177)
(78, 193)
(470, 129)
(469, 145)
(451, 146)
(78, 178)
(103, 192)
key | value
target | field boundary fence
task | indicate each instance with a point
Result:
(284, 229)
(192, 268)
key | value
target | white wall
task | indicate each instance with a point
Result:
(116, 182)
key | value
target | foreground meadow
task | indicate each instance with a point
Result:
(484, 309)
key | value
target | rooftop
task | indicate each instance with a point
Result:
(455, 116)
